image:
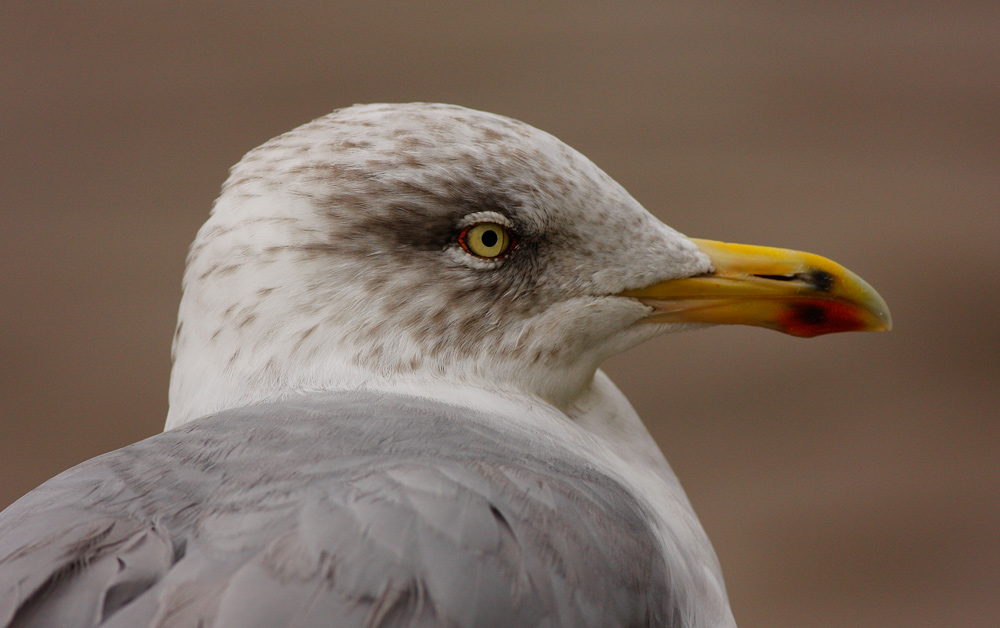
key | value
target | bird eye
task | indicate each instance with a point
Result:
(486, 239)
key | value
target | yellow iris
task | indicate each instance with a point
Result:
(486, 239)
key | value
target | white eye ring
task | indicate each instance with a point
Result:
(477, 217)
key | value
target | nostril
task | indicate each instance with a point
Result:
(818, 280)
(779, 277)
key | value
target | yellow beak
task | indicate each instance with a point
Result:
(788, 291)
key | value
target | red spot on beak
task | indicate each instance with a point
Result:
(810, 318)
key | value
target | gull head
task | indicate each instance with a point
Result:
(383, 244)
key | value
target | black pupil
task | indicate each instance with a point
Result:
(490, 238)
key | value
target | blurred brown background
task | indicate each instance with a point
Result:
(848, 481)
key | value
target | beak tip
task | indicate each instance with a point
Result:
(878, 308)
(886, 319)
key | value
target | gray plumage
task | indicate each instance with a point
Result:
(335, 509)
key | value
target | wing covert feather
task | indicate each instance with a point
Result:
(333, 510)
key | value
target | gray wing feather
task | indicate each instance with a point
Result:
(82, 574)
(333, 510)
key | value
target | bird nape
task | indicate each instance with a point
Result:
(386, 408)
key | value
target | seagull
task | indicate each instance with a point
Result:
(386, 408)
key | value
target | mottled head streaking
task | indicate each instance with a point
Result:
(338, 255)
